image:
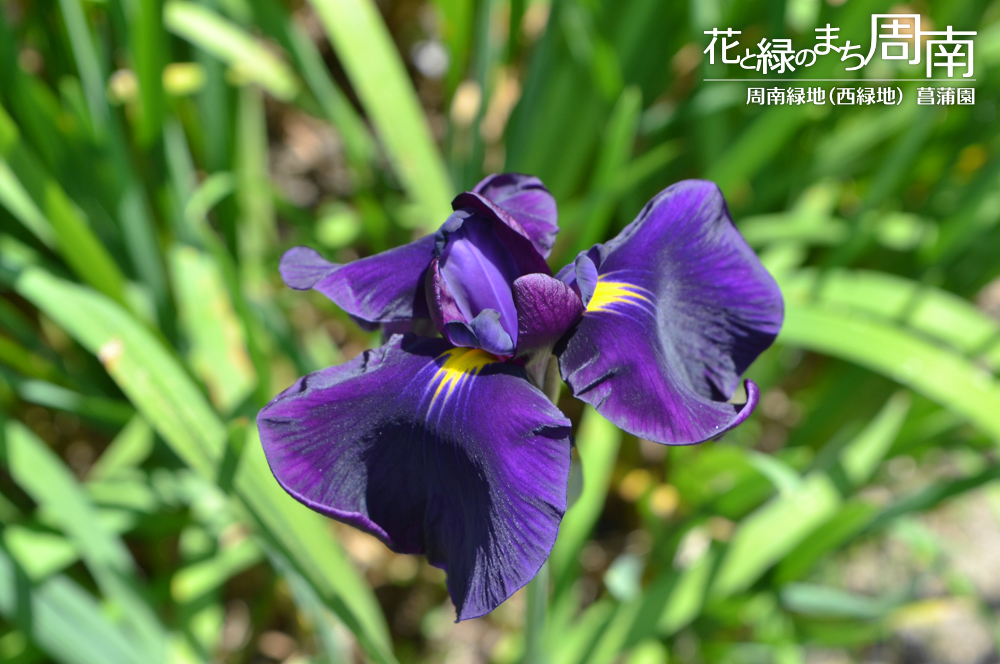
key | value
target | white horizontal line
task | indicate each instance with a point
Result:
(835, 80)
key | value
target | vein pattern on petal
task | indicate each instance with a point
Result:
(457, 365)
(608, 293)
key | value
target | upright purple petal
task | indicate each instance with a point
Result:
(474, 273)
(514, 237)
(384, 288)
(680, 309)
(526, 199)
(435, 450)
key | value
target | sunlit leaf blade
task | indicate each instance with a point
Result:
(87, 61)
(217, 348)
(935, 372)
(169, 400)
(257, 229)
(99, 409)
(248, 57)
(597, 442)
(78, 245)
(62, 618)
(128, 449)
(373, 65)
(861, 457)
(192, 582)
(930, 310)
(768, 534)
(36, 469)
(17, 201)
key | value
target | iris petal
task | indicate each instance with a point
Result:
(477, 272)
(436, 450)
(527, 200)
(546, 309)
(680, 309)
(386, 287)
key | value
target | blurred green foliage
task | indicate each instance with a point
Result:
(156, 158)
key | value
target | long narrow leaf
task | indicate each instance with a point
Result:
(49, 482)
(940, 375)
(62, 618)
(231, 44)
(370, 58)
(168, 399)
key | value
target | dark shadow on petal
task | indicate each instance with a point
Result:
(457, 457)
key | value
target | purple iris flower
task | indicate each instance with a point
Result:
(447, 446)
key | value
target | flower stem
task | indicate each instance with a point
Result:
(553, 381)
(534, 616)
(538, 588)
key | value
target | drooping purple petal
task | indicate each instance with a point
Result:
(526, 199)
(681, 308)
(434, 450)
(383, 288)
(546, 309)
(477, 272)
(302, 267)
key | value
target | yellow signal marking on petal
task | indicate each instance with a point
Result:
(459, 364)
(611, 292)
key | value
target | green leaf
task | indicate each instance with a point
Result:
(42, 553)
(674, 598)
(49, 482)
(257, 230)
(359, 145)
(590, 225)
(62, 618)
(817, 600)
(167, 398)
(130, 447)
(687, 595)
(784, 478)
(852, 518)
(862, 456)
(930, 310)
(78, 244)
(145, 371)
(17, 201)
(209, 193)
(87, 62)
(770, 532)
(323, 623)
(100, 409)
(373, 65)
(304, 537)
(573, 644)
(250, 59)
(217, 349)
(935, 372)
(597, 443)
(19, 358)
(757, 145)
(192, 582)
